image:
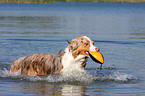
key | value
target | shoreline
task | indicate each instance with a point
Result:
(53, 1)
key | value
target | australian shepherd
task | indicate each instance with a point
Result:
(74, 57)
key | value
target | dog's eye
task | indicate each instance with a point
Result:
(87, 44)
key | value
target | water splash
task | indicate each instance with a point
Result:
(109, 75)
(75, 77)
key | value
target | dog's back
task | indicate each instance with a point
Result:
(37, 64)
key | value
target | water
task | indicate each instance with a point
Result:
(118, 29)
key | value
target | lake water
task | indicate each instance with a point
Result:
(118, 29)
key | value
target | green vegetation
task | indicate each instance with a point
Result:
(53, 1)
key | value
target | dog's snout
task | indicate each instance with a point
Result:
(97, 49)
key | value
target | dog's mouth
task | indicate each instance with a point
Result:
(87, 53)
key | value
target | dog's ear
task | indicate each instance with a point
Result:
(68, 41)
(59, 51)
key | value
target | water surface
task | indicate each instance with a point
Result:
(118, 29)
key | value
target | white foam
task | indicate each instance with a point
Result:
(4, 73)
(74, 76)
(107, 75)
(117, 76)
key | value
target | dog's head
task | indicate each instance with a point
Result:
(81, 45)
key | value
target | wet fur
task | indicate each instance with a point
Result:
(38, 64)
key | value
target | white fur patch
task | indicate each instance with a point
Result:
(92, 47)
(71, 64)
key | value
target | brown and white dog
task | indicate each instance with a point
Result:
(73, 58)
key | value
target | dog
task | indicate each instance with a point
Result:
(74, 57)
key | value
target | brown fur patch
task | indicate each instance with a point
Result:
(37, 64)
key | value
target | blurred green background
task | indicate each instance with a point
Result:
(53, 1)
